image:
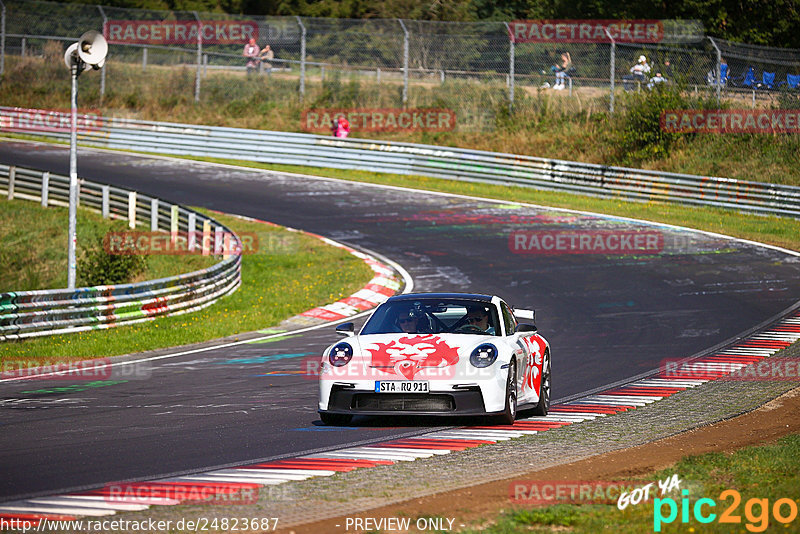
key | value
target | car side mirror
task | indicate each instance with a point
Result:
(526, 327)
(346, 329)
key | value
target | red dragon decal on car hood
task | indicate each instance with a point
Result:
(409, 355)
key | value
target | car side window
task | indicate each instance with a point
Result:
(508, 319)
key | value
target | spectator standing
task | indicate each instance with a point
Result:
(251, 53)
(340, 127)
(266, 56)
(638, 73)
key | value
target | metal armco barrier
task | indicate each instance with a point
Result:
(26, 314)
(414, 159)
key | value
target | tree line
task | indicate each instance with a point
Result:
(759, 22)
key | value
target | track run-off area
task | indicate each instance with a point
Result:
(609, 313)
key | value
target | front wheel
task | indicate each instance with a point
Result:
(543, 406)
(509, 414)
(335, 419)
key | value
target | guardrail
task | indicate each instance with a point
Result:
(26, 314)
(414, 159)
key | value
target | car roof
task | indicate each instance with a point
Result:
(465, 296)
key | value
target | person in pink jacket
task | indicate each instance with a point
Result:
(341, 127)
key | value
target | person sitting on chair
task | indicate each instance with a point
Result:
(562, 70)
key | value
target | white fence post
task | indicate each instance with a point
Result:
(12, 176)
(45, 188)
(173, 223)
(206, 245)
(132, 210)
(105, 203)
(154, 215)
(192, 229)
(218, 246)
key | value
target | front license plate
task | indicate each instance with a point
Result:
(401, 386)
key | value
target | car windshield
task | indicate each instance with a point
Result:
(434, 316)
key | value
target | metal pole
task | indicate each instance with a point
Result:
(302, 58)
(405, 62)
(103, 68)
(719, 67)
(73, 178)
(144, 59)
(510, 68)
(199, 57)
(613, 68)
(3, 39)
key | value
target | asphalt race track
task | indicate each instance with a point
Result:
(607, 317)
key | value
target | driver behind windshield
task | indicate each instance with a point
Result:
(478, 317)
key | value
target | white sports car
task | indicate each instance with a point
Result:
(437, 354)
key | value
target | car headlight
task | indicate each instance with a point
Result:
(340, 354)
(484, 355)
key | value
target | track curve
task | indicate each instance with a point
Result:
(608, 317)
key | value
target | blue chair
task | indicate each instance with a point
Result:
(748, 79)
(767, 80)
(792, 81)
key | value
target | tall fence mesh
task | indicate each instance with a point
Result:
(476, 70)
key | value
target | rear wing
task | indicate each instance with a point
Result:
(525, 314)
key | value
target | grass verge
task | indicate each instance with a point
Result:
(760, 476)
(290, 273)
(24, 267)
(543, 123)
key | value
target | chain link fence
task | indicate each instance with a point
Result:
(476, 70)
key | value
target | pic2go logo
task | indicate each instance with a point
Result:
(756, 511)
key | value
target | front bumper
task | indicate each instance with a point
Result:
(347, 400)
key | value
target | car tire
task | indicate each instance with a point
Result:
(543, 406)
(335, 419)
(509, 414)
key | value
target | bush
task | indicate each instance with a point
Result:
(639, 133)
(98, 267)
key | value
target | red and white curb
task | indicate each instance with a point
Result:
(225, 483)
(383, 285)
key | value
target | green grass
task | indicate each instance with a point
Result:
(290, 273)
(33, 247)
(543, 123)
(770, 472)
